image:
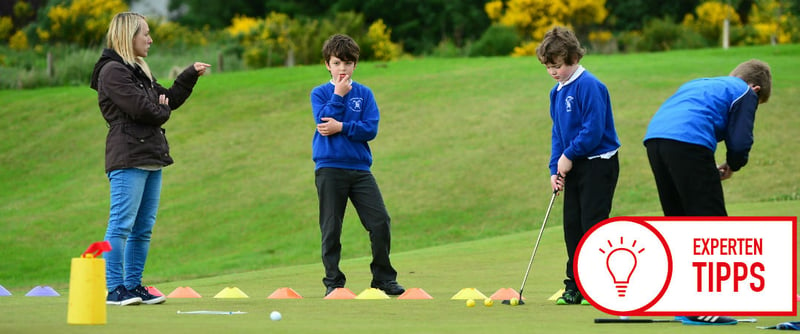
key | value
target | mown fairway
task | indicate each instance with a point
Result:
(486, 264)
(461, 158)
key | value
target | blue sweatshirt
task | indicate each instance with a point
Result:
(359, 115)
(709, 110)
(583, 125)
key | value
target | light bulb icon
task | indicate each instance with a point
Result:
(621, 263)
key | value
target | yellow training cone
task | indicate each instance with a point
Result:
(469, 293)
(87, 287)
(555, 296)
(233, 292)
(372, 293)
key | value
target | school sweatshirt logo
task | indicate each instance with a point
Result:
(355, 104)
(568, 102)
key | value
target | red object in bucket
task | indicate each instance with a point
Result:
(97, 248)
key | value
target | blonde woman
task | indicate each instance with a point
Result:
(135, 107)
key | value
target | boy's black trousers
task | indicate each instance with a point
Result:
(588, 193)
(334, 187)
(687, 178)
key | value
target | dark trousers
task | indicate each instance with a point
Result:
(334, 187)
(588, 193)
(687, 178)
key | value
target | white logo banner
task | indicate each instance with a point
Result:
(690, 266)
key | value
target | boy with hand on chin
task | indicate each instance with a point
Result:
(583, 160)
(347, 118)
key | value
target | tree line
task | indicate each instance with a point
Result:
(252, 34)
(420, 26)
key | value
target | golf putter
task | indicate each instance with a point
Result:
(631, 321)
(535, 247)
(649, 321)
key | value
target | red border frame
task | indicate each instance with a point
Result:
(644, 222)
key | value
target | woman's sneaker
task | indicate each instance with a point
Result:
(146, 297)
(121, 296)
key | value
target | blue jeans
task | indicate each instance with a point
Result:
(134, 201)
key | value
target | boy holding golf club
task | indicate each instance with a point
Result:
(682, 137)
(583, 161)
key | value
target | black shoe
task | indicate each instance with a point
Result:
(121, 296)
(389, 287)
(570, 297)
(146, 297)
(330, 289)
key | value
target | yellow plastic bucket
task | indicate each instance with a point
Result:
(87, 287)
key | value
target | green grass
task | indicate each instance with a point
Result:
(461, 157)
(487, 264)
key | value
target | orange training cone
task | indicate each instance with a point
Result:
(341, 293)
(505, 294)
(153, 291)
(415, 293)
(285, 293)
(183, 292)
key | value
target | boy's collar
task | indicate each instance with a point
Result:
(333, 83)
(572, 77)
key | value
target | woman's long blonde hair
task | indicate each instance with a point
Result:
(124, 26)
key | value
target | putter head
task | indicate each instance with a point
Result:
(508, 302)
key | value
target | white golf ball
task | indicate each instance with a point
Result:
(624, 317)
(275, 316)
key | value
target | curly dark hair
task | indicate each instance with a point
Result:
(560, 43)
(342, 47)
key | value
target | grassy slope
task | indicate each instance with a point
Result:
(461, 155)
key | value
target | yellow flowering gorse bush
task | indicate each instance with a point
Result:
(710, 18)
(379, 40)
(533, 18)
(6, 27)
(783, 27)
(83, 22)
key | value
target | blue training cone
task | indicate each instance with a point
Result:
(4, 292)
(42, 291)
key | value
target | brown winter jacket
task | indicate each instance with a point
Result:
(128, 100)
